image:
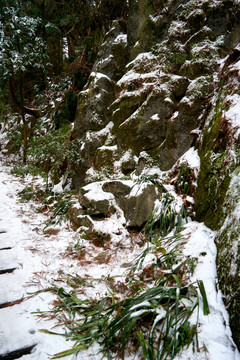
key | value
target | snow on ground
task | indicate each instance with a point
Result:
(214, 330)
(30, 255)
(40, 258)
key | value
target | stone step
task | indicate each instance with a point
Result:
(16, 354)
(6, 271)
(12, 303)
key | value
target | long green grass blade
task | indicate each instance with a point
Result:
(155, 314)
(206, 310)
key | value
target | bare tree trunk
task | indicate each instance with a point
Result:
(17, 104)
(55, 52)
(25, 139)
(71, 47)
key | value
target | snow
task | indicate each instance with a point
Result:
(65, 48)
(155, 18)
(132, 75)
(235, 66)
(121, 38)
(58, 188)
(110, 148)
(97, 76)
(40, 258)
(137, 189)
(18, 327)
(141, 57)
(214, 331)
(144, 303)
(187, 101)
(155, 117)
(176, 26)
(94, 192)
(233, 114)
(138, 313)
(192, 158)
(107, 129)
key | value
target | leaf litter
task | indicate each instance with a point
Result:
(123, 300)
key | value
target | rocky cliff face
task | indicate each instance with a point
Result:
(218, 196)
(170, 82)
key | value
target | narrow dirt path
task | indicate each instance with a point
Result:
(24, 259)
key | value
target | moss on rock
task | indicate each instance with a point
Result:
(215, 175)
(218, 197)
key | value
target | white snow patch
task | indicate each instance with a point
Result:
(133, 75)
(155, 18)
(214, 330)
(235, 66)
(155, 117)
(122, 38)
(58, 188)
(97, 76)
(94, 192)
(141, 57)
(192, 158)
(144, 303)
(233, 114)
(107, 129)
(111, 148)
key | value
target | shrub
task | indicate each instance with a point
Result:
(54, 153)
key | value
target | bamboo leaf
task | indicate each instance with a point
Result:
(179, 284)
(50, 332)
(206, 310)
(72, 351)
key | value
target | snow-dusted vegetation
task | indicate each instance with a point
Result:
(119, 218)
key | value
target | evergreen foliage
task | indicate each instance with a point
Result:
(22, 53)
(22, 49)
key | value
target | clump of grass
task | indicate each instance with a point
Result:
(165, 218)
(153, 317)
(50, 232)
(185, 180)
(77, 251)
(56, 206)
(154, 179)
(59, 207)
(150, 312)
(29, 169)
(54, 154)
(31, 193)
(157, 321)
(99, 238)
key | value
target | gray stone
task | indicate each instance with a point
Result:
(105, 156)
(95, 201)
(136, 201)
(120, 189)
(128, 165)
(138, 207)
(73, 213)
(84, 220)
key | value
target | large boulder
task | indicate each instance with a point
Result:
(136, 200)
(139, 205)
